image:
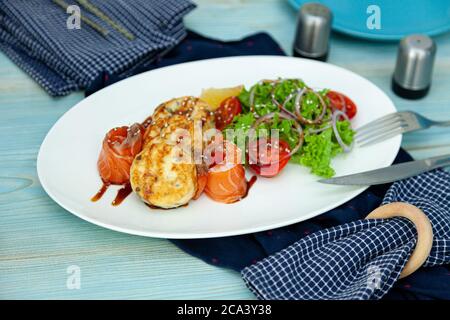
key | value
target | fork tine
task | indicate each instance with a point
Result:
(380, 121)
(380, 138)
(376, 131)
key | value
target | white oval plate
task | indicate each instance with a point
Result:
(67, 159)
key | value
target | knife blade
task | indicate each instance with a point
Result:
(390, 174)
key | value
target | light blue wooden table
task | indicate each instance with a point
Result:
(39, 240)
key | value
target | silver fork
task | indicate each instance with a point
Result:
(393, 124)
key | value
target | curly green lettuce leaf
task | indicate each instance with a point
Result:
(316, 153)
(262, 102)
(346, 133)
(319, 149)
(243, 122)
(311, 107)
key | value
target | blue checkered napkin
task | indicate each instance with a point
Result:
(34, 34)
(361, 259)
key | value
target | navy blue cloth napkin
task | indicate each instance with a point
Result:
(360, 259)
(34, 34)
(196, 47)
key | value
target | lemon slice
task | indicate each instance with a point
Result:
(214, 96)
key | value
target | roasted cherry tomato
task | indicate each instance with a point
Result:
(339, 101)
(225, 113)
(268, 157)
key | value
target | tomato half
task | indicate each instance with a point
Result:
(268, 157)
(228, 109)
(338, 100)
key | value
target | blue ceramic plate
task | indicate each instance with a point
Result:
(396, 18)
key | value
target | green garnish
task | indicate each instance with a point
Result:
(319, 148)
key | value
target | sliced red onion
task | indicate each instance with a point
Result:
(300, 138)
(288, 98)
(275, 101)
(320, 129)
(264, 118)
(288, 114)
(298, 107)
(297, 126)
(298, 100)
(334, 119)
(283, 106)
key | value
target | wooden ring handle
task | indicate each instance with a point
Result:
(423, 227)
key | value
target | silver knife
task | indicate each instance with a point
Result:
(390, 174)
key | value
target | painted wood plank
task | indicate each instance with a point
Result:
(39, 240)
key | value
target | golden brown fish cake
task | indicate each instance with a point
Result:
(159, 180)
(163, 174)
(171, 113)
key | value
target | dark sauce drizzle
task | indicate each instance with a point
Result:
(100, 192)
(126, 190)
(122, 193)
(250, 183)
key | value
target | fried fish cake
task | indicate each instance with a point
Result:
(170, 115)
(159, 180)
(164, 174)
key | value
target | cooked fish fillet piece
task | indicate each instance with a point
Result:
(163, 174)
(179, 113)
(158, 180)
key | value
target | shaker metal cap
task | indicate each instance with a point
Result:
(313, 31)
(415, 60)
